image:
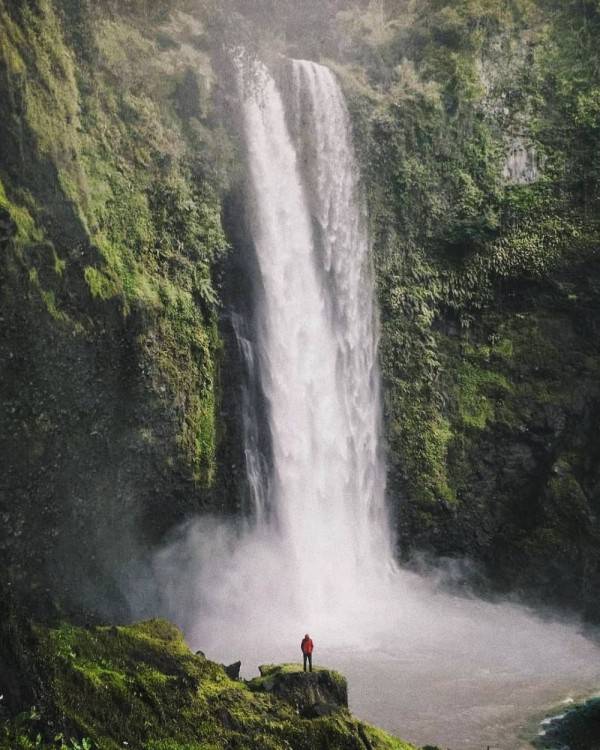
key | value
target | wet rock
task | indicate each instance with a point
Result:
(523, 164)
(318, 710)
(225, 718)
(577, 728)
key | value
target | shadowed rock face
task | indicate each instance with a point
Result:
(99, 378)
(233, 670)
(577, 728)
(318, 693)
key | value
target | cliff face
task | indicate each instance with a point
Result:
(112, 163)
(479, 127)
(477, 124)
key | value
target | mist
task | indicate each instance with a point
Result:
(235, 594)
(426, 664)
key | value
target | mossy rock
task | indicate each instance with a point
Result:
(140, 686)
(321, 692)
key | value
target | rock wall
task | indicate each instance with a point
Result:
(489, 282)
(114, 389)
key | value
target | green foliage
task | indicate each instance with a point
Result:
(100, 284)
(112, 165)
(488, 285)
(22, 733)
(140, 686)
(478, 390)
(27, 231)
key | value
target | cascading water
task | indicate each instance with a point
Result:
(343, 254)
(257, 475)
(316, 340)
(320, 545)
(318, 556)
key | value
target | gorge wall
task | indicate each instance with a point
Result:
(477, 124)
(113, 163)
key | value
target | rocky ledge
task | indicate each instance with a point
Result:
(314, 694)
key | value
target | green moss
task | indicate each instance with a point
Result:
(48, 297)
(142, 686)
(50, 99)
(100, 284)
(290, 668)
(268, 671)
(27, 231)
(111, 169)
(485, 345)
(383, 740)
(59, 264)
(479, 389)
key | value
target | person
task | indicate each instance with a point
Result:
(307, 650)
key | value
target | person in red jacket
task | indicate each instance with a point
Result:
(307, 649)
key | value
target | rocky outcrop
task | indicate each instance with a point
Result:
(576, 728)
(233, 670)
(321, 692)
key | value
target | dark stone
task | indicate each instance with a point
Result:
(190, 95)
(225, 718)
(364, 737)
(233, 670)
(8, 228)
(578, 728)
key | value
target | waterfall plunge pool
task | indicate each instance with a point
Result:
(439, 703)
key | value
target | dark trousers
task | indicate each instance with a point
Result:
(308, 658)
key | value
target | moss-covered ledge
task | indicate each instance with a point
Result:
(140, 686)
(321, 692)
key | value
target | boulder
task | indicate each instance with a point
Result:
(233, 670)
(314, 694)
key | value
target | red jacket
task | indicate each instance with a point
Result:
(307, 646)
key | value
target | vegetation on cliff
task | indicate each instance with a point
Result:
(112, 163)
(105, 688)
(477, 123)
(478, 126)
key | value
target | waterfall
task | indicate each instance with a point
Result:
(318, 546)
(316, 334)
